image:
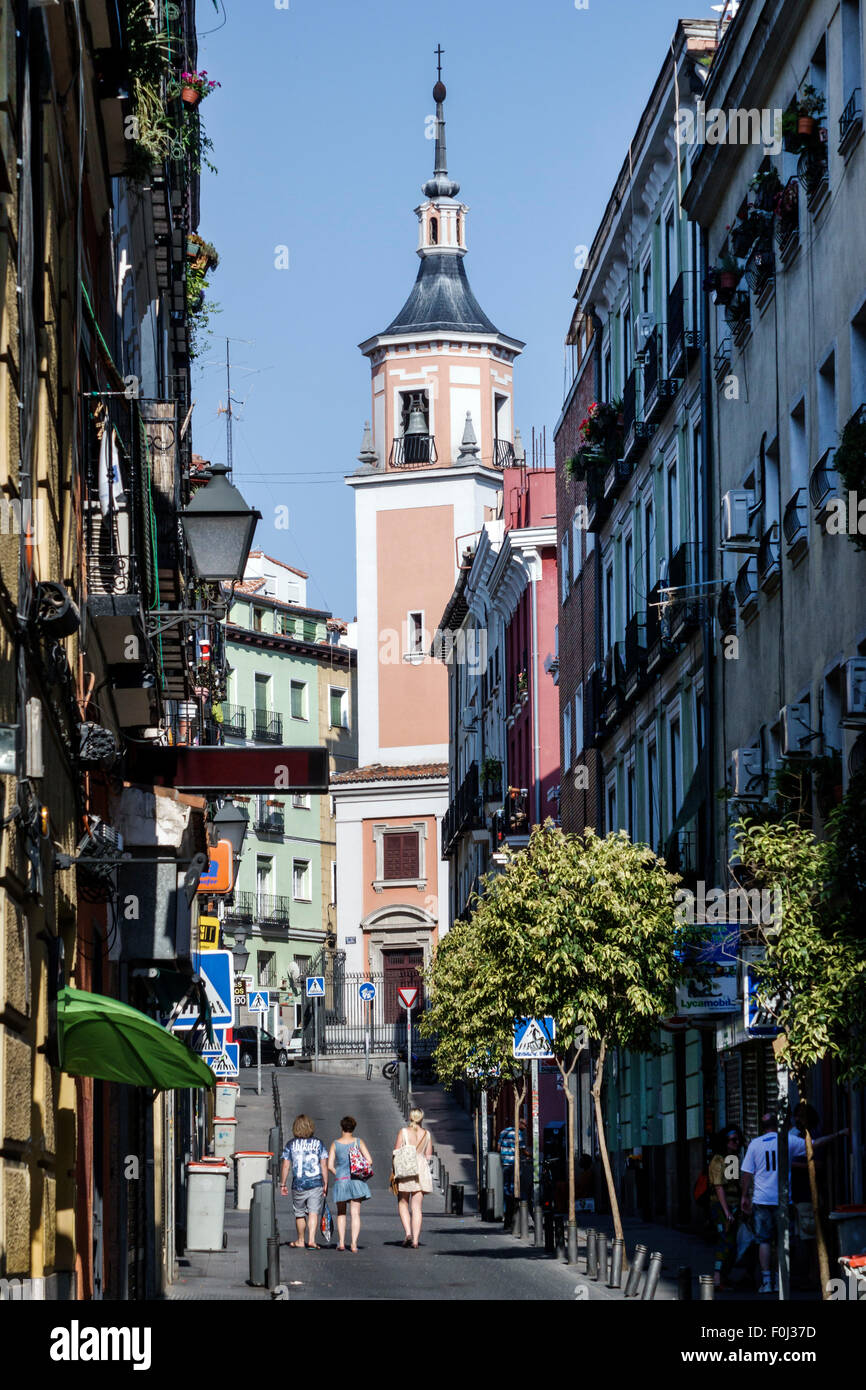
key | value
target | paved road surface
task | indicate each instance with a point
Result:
(459, 1257)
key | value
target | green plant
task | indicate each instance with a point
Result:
(812, 102)
(728, 264)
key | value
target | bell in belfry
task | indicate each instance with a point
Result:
(415, 435)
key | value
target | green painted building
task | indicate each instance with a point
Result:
(291, 680)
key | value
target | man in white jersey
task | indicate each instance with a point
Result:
(759, 1181)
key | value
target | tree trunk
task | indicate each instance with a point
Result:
(602, 1141)
(569, 1137)
(823, 1258)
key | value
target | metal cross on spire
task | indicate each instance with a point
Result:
(439, 50)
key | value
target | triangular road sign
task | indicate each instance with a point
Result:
(408, 996)
(222, 1065)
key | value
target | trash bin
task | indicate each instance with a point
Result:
(251, 1166)
(225, 1099)
(262, 1226)
(850, 1229)
(205, 1205)
(224, 1137)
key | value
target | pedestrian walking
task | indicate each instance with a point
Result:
(351, 1164)
(724, 1183)
(308, 1159)
(413, 1148)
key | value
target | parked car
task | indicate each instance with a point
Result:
(271, 1049)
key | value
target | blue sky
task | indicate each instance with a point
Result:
(319, 135)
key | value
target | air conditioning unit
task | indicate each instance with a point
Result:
(736, 522)
(855, 690)
(795, 734)
(747, 773)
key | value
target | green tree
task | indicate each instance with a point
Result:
(580, 928)
(813, 975)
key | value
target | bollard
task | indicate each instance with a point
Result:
(445, 1188)
(634, 1274)
(273, 1261)
(274, 1146)
(571, 1242)
(684, 1284)
(592, 1254)
(457, 1199)
(494, 1187)
(549, 1244)
(523, 1221)
(708, 1289)
(482, 1204)
(538, 1223)
(653, 1275)
(616, 1259)
(559, 1237)
(602, 1256)
(261, 1215)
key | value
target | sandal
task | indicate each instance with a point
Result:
(297, 1245)
(407, 1243)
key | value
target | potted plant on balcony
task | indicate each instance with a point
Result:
(729, 273)
(203, 254)
(766, 184)
(741, 234)
(522, 687)
(800, 121)
(195, 86)
(491, 772)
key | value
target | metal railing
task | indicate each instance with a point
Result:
(464, 811)
(503, 453)
(272, 907)
(270, 821)
(746, 585)
(788, 220)
(629, 397)
(822, 480)
(769, 556)
(240, 907)
(235, 721)
(267, 728)
(413, 451)
(795, 518)
(651, 366)
(852, 116)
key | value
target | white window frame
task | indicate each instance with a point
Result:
(415, 656)
(578, 722)
(300, 801)
(566, 736)
(343, 693)
(565, 566)
(380, 830)
(307, 895)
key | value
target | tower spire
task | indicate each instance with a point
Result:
(440, 186)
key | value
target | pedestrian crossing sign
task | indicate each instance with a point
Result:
(533, 1038)
(225, 1062)
(258, 1001)
(315, 986)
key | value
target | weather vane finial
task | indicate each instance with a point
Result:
(439, 51)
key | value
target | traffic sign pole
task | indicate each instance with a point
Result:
(259, 1055)
(368, 1010)
(316, 1027)
(409, 1049)
(536, 1158)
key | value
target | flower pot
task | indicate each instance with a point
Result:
(190, 95)
(806, 125)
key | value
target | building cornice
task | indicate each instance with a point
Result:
(324, 652)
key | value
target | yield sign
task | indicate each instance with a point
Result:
(408, 996)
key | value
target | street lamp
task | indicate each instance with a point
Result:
(239, 949)
(218, 528)
(230, 823)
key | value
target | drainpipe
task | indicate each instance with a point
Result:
(598, 329)
(706, 565)
(536, 736)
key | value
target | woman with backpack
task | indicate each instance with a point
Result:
(350, 1162)
(411, 1176)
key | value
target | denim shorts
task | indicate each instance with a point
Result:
(765, 1224)
(307, 1201)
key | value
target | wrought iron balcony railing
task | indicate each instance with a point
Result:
(465, 811)
(272, 908)
(235, 721)
(503, 453)
(795, 522)
(822, 481)
(746, 586)
(270, 821)
(268, 728)
(851, 119)
(770, 559)
(413, 451)
(240, 906)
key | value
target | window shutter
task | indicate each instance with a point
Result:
(400, 855)
(410, 855)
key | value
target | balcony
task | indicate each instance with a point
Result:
(851, 121)
(683, 338)
(635, 654)
(516, 811)
(598, 503)
(722, 358)
(823, 484)
(268, 728)
(503, 453)
(613, 690)
(738, 316)
(812, 171)
(659, 647)
(795, 524)
(760, 270)
(270, 820)
(413, 451)
(240, 907)
(591, 709)
(615, 479)
(788, 221)
(465, 812)
(746, 588)
(770, 560)
(686, 608)
(234, 721)
(651, 355)
(273, 913)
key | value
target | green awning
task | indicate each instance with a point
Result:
(103, 1038)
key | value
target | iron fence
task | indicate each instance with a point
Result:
(344, 1018)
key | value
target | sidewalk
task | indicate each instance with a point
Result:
(223, 1274)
